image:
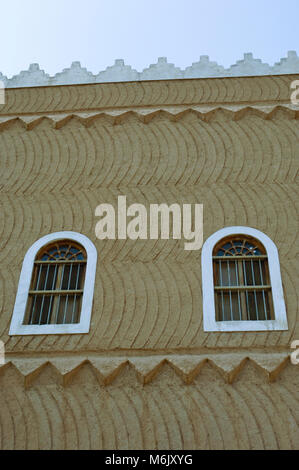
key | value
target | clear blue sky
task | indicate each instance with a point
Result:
(55, 33)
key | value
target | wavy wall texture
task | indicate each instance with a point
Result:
(165, 414)
(230, 144)
(148, 293)
(234, 90)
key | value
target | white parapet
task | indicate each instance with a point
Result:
(162, 70)
(205, 68)
(119, 72)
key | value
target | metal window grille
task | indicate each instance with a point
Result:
(57, 282)
(241, 280)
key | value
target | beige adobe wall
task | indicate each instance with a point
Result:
(163, 414)
(230, 144)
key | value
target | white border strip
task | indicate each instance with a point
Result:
(209, 316)
(17, 327)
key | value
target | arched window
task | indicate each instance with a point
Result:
(242, 287)
(56, 286)
(57, 282)
(241, 280)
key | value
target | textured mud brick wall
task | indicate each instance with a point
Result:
(230, 144)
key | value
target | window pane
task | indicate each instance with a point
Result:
(68, 309)
(72, 277)
(227, 273)
(228, 306)
(40, 308)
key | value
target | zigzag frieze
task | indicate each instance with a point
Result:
(147, 368)
(80, 411)
(206, 114)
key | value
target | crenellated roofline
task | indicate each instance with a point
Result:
(162, 70)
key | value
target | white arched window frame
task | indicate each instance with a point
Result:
(17, 327)
(209, 313)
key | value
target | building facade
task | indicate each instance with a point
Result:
(147, 374)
